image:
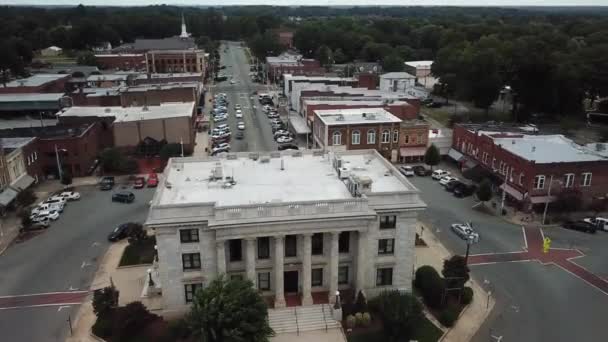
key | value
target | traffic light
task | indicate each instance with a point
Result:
(546, 245)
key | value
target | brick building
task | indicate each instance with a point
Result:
(149, 95)
(39, 83)
(168, 78)
(127, 61)
(293, 64)
(286, 38)
(533, 169)
(168, 61)
(28, 147)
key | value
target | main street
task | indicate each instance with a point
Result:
(535, 301)
(43, 280)
(258, 133)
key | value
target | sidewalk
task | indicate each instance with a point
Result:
(475, 314)
(9, 230)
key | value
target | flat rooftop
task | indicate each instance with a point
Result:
(291, 77)
(397, 75)
(126, 114)
(547, 149)
(36, 80)
(354, 102)
(108, 77)
(30, 97)
(420, 64)
(10, 144)
(173, 75)
(307, 177)
(354, 116)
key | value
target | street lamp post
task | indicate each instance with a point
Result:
(470, 241)
(150, 281)
(548, 198)
(59, 168)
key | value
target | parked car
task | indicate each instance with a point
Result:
(407, 171)
(426, 101)
(240, 135)
(237, 106)
(220, 118)
(600, 223)
(223, 147)
(240, 125)
(123, 196)
(445, 180)
(70, 195)
(120, 232)
(139, 183)
(283, 147)
(35, 226)
(282, 140)
(438, 174)
(465, 232)
(464, 190)
(48, 207)
(52, 215)
(580, 226)
(152, 180)
(435, 104)
(239, 114)
(451, 185)
(420, 170)
(280, 133)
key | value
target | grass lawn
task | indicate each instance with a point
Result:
(139, 254)
(426, 332)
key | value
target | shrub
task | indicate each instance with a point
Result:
(130, 320)
(467, 296)
(179, 328)
(400, 313)
(359, 319)
(26, 198)
(431, 285)
(456, 268)
(103, 326)
(366, 319)
(105, 300)
(66, 178)
(350, 321)
(361, 303)
(137, 234)
(449, 315)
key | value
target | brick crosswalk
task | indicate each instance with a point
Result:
(42, 299)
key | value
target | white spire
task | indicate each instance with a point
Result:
(184, 33)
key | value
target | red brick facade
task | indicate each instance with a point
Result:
(404, 111)
(520, 174)
(122, 62)
(308, 67)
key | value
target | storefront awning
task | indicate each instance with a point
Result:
(542, 199)
(469, 164)
(299, 124)
(512, 191)
(457, 156)
(22, 182)
(412, 151)
(7, 196)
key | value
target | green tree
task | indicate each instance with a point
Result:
(136, 234)
(340, 57)
(112, 160)
(604, 135)
(130, 321)
(400, 313)
(432, 156)
(484, 191)
(325, 56)
(86, 58)
(229, 310)
(170, 151)
(392, 63)
(26, 198)
(455, 267)
(105, 300)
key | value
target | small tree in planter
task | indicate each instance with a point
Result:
(432, 156)
(137, 234)
(26, 198)
(457, 270)
(484, 192)
(105, 300)
(400, 313)
(361, 303)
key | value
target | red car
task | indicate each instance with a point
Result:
(139, 183)
(152, 180)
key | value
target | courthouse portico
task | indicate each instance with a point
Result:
(296, 224)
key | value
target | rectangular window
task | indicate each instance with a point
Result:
(190, 291)
(344, 242)
(386, 246)
(191, 261)
(236, 277)
(264, 281)
(291, 246)
(236, 252)
(395, 136)
(420, 141)
(539, 182)
(343, 275)
(569, 180)
(586, 181)
(188, 235)
(317, 244)
(493, 163)
(407, 139)
(384, 277)
(521, 178)
(264, 247)
(316, 275)
(388, 222)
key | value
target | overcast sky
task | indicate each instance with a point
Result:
(318, 2)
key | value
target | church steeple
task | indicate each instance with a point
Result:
(184, 33)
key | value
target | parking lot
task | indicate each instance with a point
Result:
(60, 261)
(532, 297)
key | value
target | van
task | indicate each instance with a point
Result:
(123, 196)
(438, 174)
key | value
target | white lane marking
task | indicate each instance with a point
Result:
(36, 306)
(85, 264)
(499, 262)
(63, 307)
(523, 230)
(42, 294)
(72, 288)
(95, 244)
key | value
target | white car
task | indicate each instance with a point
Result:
(465, 232)
(407, 171)
(46, 215)
(220, 118)
(438, 174)
(445, 180)
(598, 222)
(240, 125)
(237, 106)
(70, 195)
(232, 82)
(239, 114)
(281, 133)
(282, 140)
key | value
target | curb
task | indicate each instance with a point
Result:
(132, 266)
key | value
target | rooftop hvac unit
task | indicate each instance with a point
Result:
(265, 159)
(340, 117)
(344, 172)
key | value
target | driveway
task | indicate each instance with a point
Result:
(536, 301)
(43, 280)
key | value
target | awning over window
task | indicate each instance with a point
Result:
(469, 164)
(412, 151)
(22, 182)
(512, 191)
(7, 196)
(299, 124)
(457, 156)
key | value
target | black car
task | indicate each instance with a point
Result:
(452, 185)
(580, 226)
(464, 190)
(283, 147)
(240, 135)
(120, 232)
(426, 101)
(420, 170)
(123, 196)
(435, 105)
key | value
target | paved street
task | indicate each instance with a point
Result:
(258, 133)
(43, 279)
(536, 301)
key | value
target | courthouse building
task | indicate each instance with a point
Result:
(300, 225)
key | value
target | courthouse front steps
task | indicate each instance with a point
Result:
(302, 318)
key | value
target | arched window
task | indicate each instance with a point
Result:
(395, 136)
(386, 136)
(336, 138)
(356, 138)
(371, 136)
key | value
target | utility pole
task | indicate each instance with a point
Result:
(181, 143)
(547, 201)
(59, 171)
